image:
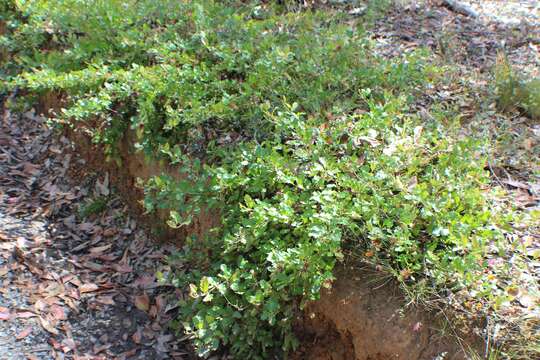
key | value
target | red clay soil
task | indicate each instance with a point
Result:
(364, 317)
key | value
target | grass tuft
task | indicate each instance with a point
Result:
(515, 92)
(93, 207)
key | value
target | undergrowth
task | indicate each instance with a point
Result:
(288, 126)
(514, 91)
(93, 207)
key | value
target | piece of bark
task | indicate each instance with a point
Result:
(460, 8)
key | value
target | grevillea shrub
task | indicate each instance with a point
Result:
(286, 124)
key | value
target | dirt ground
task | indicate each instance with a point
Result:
(365, 317)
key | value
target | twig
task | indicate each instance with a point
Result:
(383, 284)
(486, 351)
(493, 172)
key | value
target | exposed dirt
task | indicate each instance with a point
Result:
(364, 317)
(128, 166)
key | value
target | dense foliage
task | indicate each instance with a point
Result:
(283, 122)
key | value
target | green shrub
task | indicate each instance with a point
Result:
(515, 92)
(384, 182)
(289, 126)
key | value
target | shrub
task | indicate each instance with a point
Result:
(401, 191)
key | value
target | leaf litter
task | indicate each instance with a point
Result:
(73, 287)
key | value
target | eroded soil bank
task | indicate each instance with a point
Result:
(84, 287)
(363, 317)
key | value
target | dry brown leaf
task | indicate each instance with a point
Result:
(31, 169)
(86, 288)
(66, 278)
(3, 271)
(98, 349)
(95, 267)
(55, 344)
(137, 336)
(110, 232)
(40, 305)
(25, 314)
(153, 311)
(105, 299)
(161, 303)
(52, 300)
(122, 268)
(100, 249)
(24, 333)
(129, 353)
(72, 293)
(528, 144)
(68, 345)
(144, 281)
(87, 227)
(516, 184)
(105, 257)
(46, 324)
(54, 289)
(103, 187)
(58, 312)
(5, 315)
(75, 281)
(71, 304)
(142, 302)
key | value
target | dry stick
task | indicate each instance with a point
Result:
(460, 8)
(494, 174)
(486, 351)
